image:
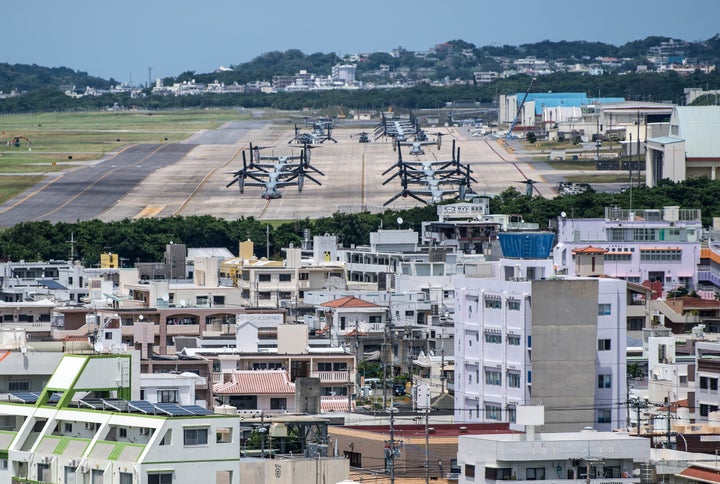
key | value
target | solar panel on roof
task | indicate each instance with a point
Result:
(54, 398)
(24, 397)
(142, 406)
(198, 410)
(94, 403)
(172, 409)
(117, 404)
(51, 284)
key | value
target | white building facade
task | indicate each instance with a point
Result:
(524, 337)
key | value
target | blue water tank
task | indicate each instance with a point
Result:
(526, 245)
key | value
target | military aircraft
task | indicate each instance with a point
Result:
(282, 172)
(436, 180)
(400, 129)
(321, 132)
(416, 146)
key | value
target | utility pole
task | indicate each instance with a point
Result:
(668, 423)
(442, 364)
(427, 446)
(385, 358)
(390, 450)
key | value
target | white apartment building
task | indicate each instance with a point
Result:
(656, 245)
(526, 336)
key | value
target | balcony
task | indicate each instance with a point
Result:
(332, 376)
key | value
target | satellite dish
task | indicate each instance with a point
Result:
(99, 347)
(563, 214)
(399, 220)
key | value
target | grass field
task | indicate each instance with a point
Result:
(57, 141)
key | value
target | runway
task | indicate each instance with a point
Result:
(190, 178)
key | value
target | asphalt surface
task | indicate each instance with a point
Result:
(86, 192)
(190, 178)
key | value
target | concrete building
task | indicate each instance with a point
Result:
(85, 426)
(364, 447)
(552, 457)
(524, 335)
(689, 150)
(655, 245)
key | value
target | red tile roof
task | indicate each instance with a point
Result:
(260, 382)
(335, 404)
(702, 475)
(589, 250)
(349, 302)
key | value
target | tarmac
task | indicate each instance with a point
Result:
(190, 178)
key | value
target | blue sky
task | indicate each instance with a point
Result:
(123, 38)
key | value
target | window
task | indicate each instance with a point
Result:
(513, 305)
(705, 409)
(97, 476)
(195, 436)
(493, 338)
(201, 300)
(324, 366)
(339, 366)
(278, 403)
(223, 435)
(495, 474)
(604, 415)
(645, 234)
(355, 458)
(493, 377)
(126, 478)
(167, 438)
(604, 309)
(264, 295)
(513, 340)
(160, 478)
(44, 475)
(285, 277)
(604, 381)
(263, 277)
(513, 379)
(122, 432)
(167, 396)
(493, 411)
(660, 255)
(707, 383)
(19, 386)
(469, 470)
(512, 414)
(604, 345)
(493, 303)
(535, 474)
(68, 427)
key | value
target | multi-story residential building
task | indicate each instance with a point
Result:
(282, 284)
(87, 426)
(334, 367)
(525, 335)
(707, 376)
(655, 245)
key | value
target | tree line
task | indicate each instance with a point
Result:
(144, 240)
(662, 87)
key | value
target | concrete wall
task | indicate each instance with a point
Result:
(291, 471)
(564, 349)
